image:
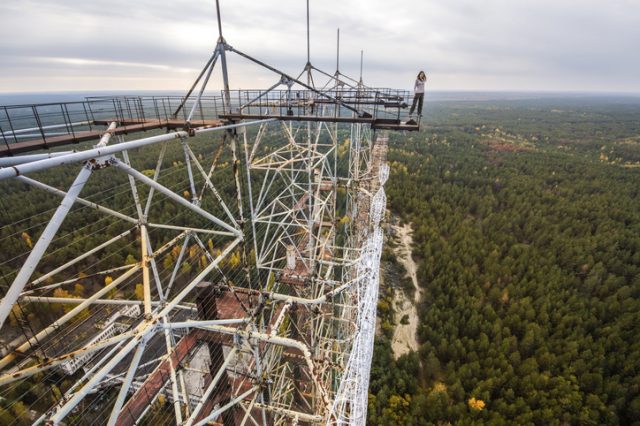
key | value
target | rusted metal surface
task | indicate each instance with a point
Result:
(215, 302)
(208, 299)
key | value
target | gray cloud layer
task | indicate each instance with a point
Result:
(463, 44)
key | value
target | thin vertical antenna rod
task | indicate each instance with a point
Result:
(222, 46)
(308, 39)
(338, 54)
(361, 60)
(219, 21)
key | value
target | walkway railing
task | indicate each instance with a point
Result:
(36, 126)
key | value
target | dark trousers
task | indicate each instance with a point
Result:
(417, 98)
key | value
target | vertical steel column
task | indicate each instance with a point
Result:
(236, 176)
(144, 245)
(252, 212)
(146, 282)
(172, 375)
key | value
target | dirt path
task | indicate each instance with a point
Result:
(404, 336)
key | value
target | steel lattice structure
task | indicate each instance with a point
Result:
(255, 300)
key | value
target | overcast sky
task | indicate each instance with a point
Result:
(532, 45)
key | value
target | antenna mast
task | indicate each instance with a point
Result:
(308, 65)
(361, 60)
(221, 47)
(308, 37)
(338, 54)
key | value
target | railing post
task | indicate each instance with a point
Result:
(86, 116)
(126, 103)
(13, 132)
(165, 109)
(115, 110)
(65, 109)
(5, 141)
(140, 101)
(34, 108)
(155, 106)
(64, 118)
(184, 113)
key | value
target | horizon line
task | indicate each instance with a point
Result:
(478, 91)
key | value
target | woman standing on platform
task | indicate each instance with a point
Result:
(418, 93)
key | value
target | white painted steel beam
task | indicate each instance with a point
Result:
(41, 246)
(199, 130)
(177, 198)
(115, 302)
(89, 154)
(79, 258)
(79, 200)
(126, 384)
(227, 406)
(21, 159)
(66, 317)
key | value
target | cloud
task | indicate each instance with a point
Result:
(463, 44)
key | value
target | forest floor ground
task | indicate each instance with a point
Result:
(404, 336)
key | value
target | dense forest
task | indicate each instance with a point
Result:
(527, 236)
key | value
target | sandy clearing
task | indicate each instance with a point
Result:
(404, 336)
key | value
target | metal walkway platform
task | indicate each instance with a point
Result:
(87, 135)
(381, 124)
(27, 128)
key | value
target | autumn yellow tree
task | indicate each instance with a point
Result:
(139, 291)
(62, 293)
(67, 307)
(78, 290)
(234, 260)
(476, 404)
(17, 313)
(167, 262)
(108, 280)
(27, 239)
